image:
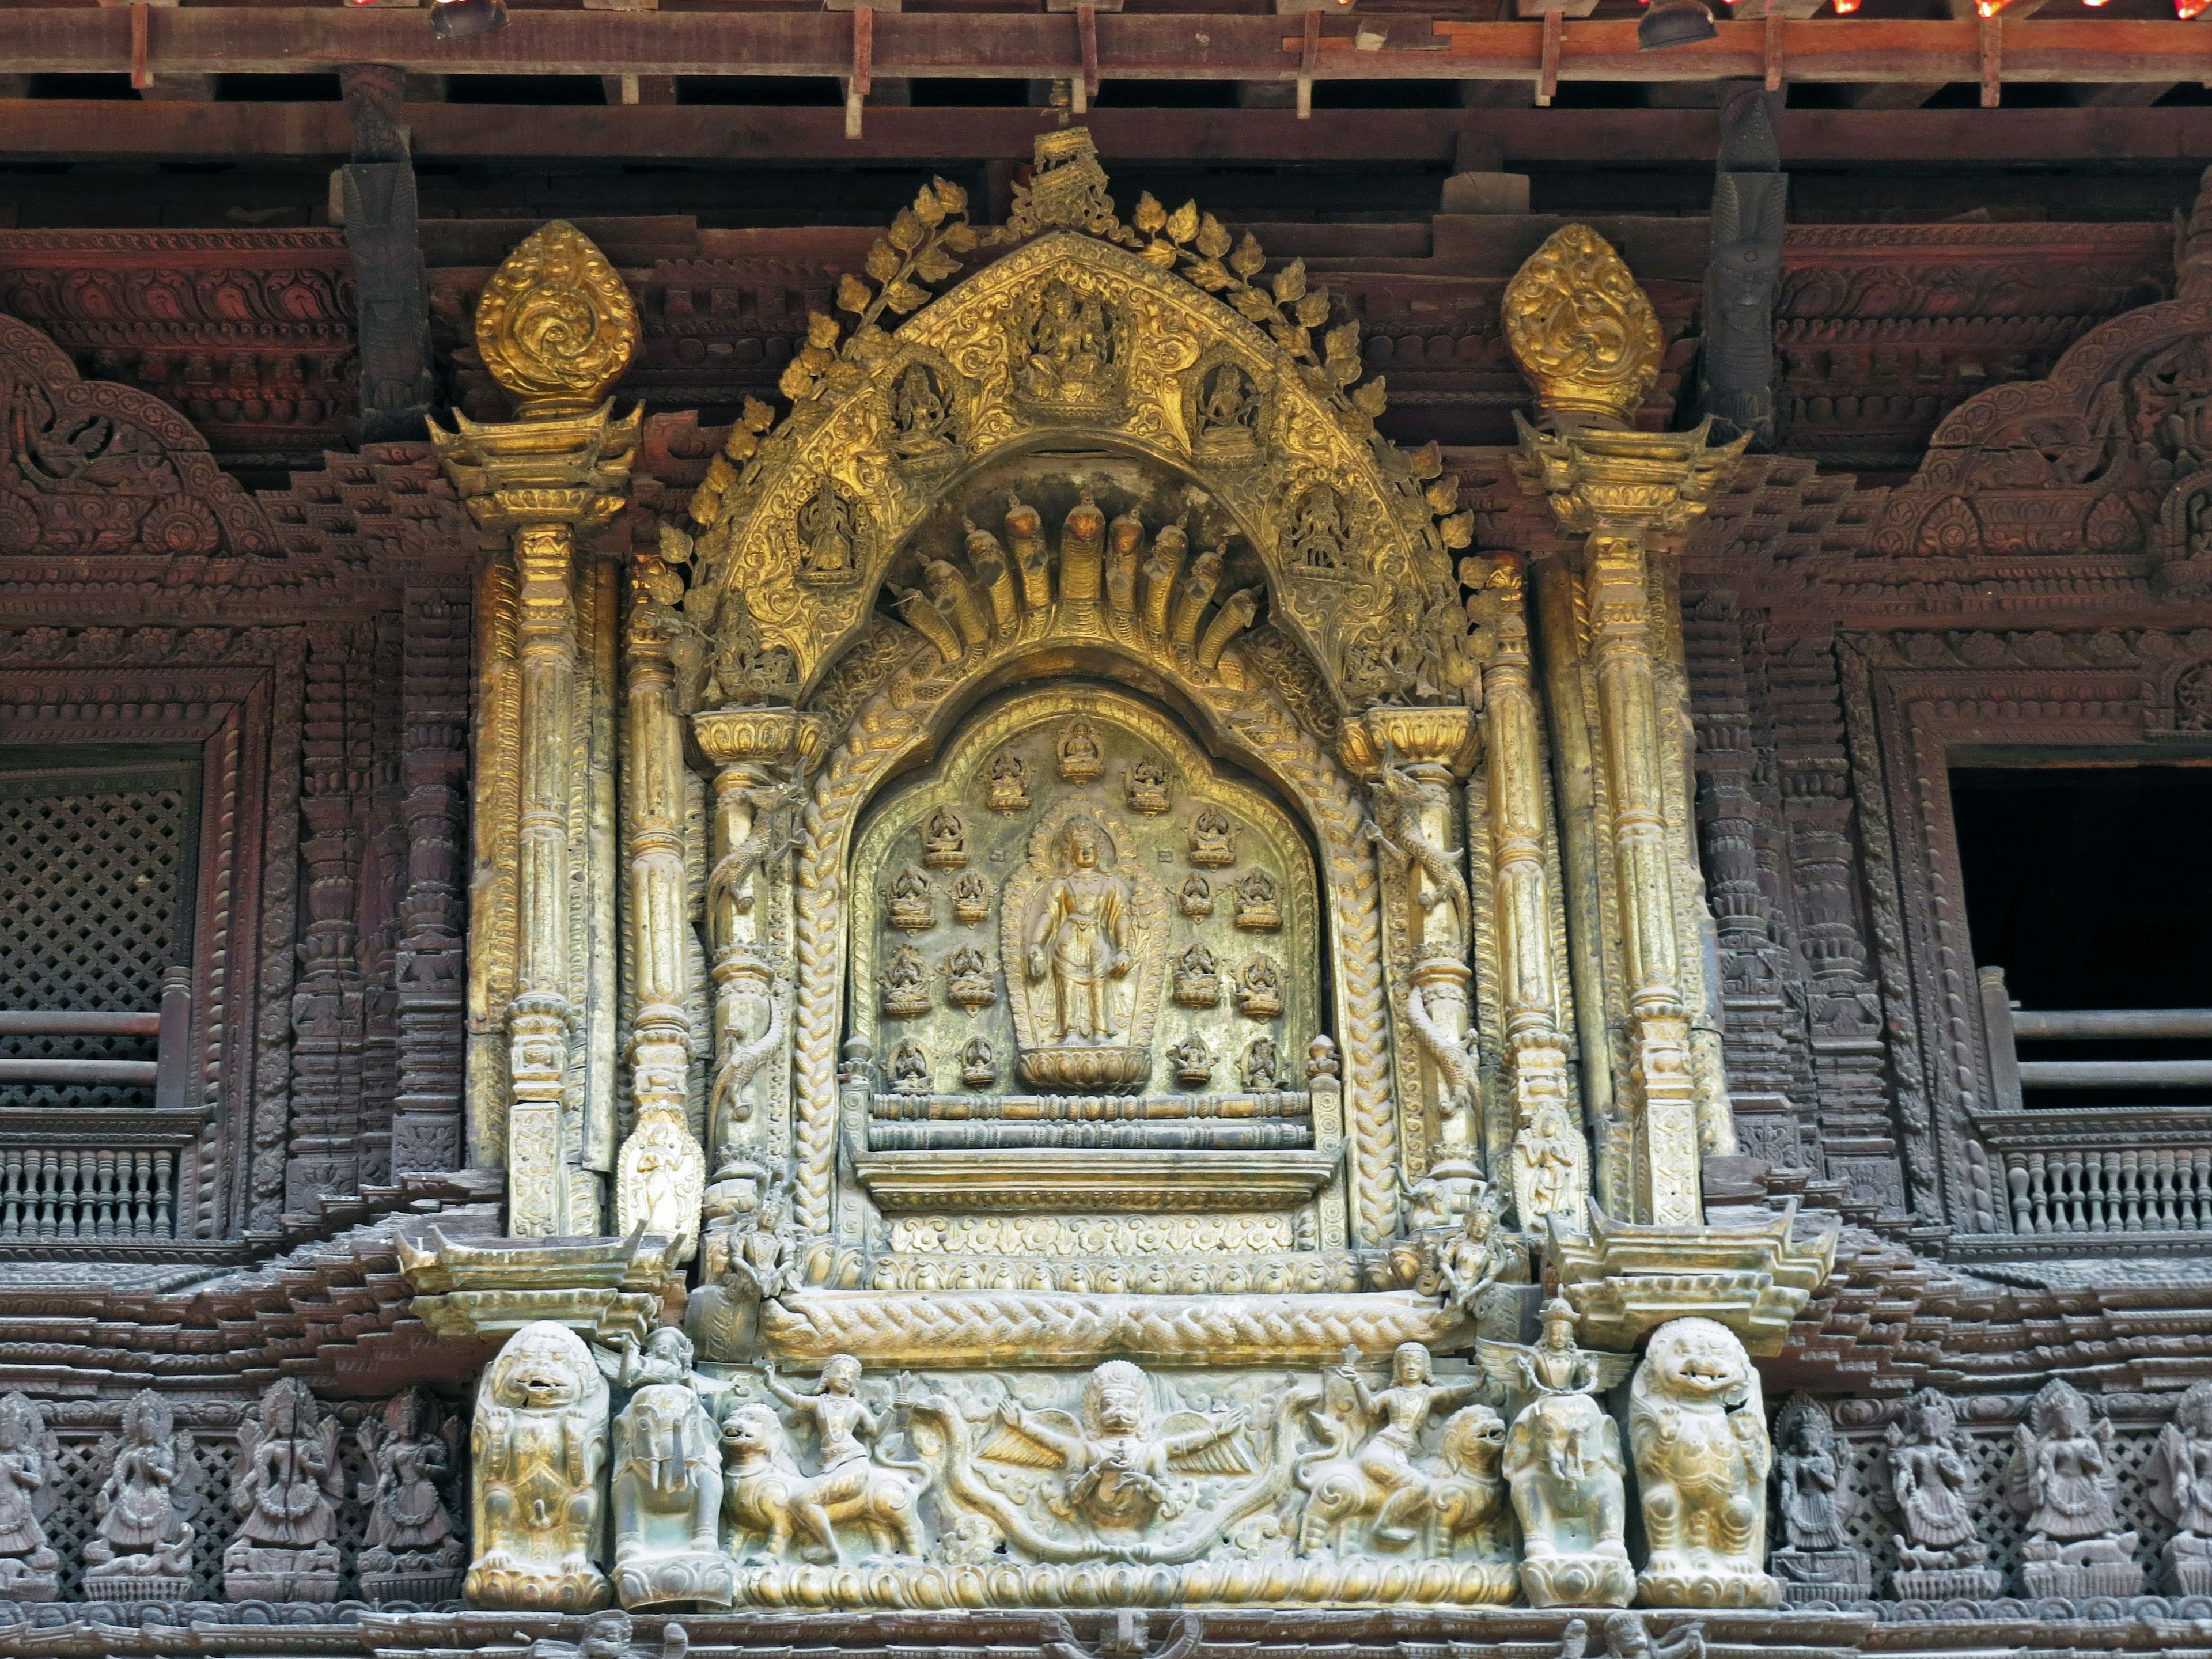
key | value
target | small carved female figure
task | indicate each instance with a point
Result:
(2060, 1476)
(414, 1553)
(2181, 1489)
(1078, 935)
(29, 1568)
(143, 1539)
(287, 1488)
(1930, 1486)
(1818, 1560)
(1405, 1407)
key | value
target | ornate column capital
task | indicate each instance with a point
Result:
(760, 737)
(1444, 735)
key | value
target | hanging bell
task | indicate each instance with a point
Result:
(1668, 23)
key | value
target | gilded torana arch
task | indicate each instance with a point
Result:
(1090, 938)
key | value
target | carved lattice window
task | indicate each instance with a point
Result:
(95, 866)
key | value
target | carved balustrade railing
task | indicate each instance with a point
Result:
(87, 1192)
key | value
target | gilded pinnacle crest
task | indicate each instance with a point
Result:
(555, 325)
(1584, 333)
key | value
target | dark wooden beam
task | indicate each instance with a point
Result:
(58, 128)
(247, 39)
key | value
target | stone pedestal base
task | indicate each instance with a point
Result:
(1578, 1581)
(2078, 1583)
(1823, 1575)
(1947, 1584)
(1707, 1589)
(678, 1579)
(279, 1575)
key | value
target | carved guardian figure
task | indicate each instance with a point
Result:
(1698, 1434)
(539, 1450)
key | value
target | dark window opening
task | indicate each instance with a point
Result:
(2090, 887)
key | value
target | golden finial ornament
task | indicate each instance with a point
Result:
(1584, 333)
(555, 325)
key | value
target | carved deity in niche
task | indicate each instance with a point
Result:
(1260, 989)
(910, 908)
(30, 1476)
(1317, 532)
(1818, 1560)
(415, 1553)
(143, 1552)
(968, 979)
(1197, 898)
(1081, 757)
(287, 1489)
(910, 1069)
(1075, 348)
(1211, 839)
(1144, 786)
(1261, 1071)
(1078, 937)
(2181, 1489)
(1257, 908)
(2062, 1477)
(1006, 785)
(1197, 979)
(1699, 1433)
(971, 900)
(539, 1452)
(979, 1067)
(1926, 1481)
(827, 535)
(945, 841)
(1193, 1060)
(921, 416)
(906, 984)
(1225, 417)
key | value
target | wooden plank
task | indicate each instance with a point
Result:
(60, 128)
(239, 40)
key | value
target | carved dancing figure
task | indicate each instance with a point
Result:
(1405, 1408)
(2060, 1476)
(1079, 937)
(143, 1552)
(29, 1569)
(2181, 1489)
(1929, 1483)
(1818, 1560)
(415, 1553)
(287, 1489)
(1699, 1432)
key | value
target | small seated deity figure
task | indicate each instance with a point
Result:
(2181, 1489)
(1926, 1478)
(1212, 843)
(1006, 783)
(979, 1067)
(968, 979)
(1226, 416)
(910, 1069)
(906, 984)
(2062, 1477)
(1818, 1561)
(1193, 1060)
(971, 900)
(912, 909)
(827, 534)
(945, 841)
(1145, 785)
(29, 1484)
(1197, 979)
(1260, 989)
(1257, 911)
(921, 416)
(1197, 898)
(1481, 1255)
(1262, 1068)
(1082, 758)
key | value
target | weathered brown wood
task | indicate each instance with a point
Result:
(1011, 46)
(62, 128)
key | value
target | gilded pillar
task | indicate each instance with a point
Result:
(555, 328)
(1585, 337)
(761, 757)
(1550, 1159)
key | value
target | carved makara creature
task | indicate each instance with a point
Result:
(1563, 1460)
(539, 1452)
(415, 1553)
(766, 1498)
(1818, 1560)
(29, 1484)
(1698, 1430)
(286, 1490)
(2060, 1476)
(143, 1552)
(666, 1491)
(2181, 1489)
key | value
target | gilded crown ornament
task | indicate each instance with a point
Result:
(555, 325)
(1582, 331)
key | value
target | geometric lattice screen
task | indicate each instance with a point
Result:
(93, 876)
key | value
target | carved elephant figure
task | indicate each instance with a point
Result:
(765, 1497)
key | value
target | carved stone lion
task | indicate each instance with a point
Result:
(1697, 1432)
(540, 1451)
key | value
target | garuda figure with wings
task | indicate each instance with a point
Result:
(1113, 1464)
